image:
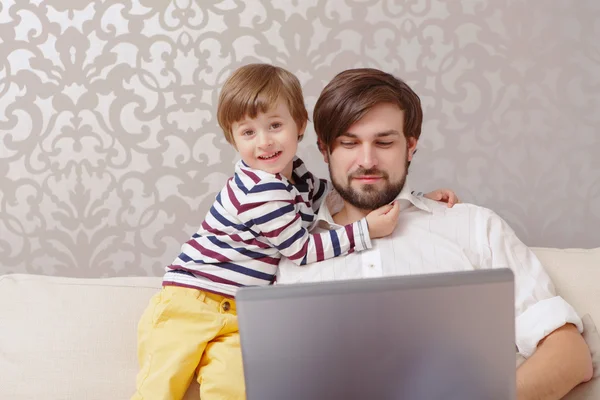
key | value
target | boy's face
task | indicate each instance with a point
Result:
(269, 141)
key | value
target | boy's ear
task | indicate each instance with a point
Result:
(323, 150)
(301, 131)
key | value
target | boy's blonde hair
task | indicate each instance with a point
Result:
(256, 88)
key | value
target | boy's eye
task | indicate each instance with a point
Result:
(247, 133)
(276, 125)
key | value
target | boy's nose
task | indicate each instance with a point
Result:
(264, 140)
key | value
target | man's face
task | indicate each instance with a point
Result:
(369, 163)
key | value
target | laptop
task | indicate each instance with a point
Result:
(436, 336)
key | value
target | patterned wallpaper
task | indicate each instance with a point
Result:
(110, 153)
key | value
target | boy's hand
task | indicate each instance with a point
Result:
(444, 195)
(383, 220)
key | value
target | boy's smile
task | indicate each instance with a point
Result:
(270, 157)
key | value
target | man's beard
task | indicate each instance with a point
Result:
(371, 197)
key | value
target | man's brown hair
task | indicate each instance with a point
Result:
(352, 93)
(256, 88)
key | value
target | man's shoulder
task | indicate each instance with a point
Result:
(460, 210)
(471, 226)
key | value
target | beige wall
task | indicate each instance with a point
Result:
(110, 151)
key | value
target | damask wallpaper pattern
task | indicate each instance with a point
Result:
(110, 153)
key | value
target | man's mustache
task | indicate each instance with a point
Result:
(374, 172)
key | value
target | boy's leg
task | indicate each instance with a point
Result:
(221, 375)
(172, 334)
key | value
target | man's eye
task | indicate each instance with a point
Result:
(348, 144)
(385, 144)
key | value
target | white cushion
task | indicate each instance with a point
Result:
(576, 275)
(69, 338)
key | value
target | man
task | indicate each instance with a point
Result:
(368, 124)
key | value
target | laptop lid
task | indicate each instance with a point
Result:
(435, 336)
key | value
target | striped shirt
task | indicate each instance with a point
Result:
(256, 218)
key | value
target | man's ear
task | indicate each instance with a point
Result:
(323, 150)
(412, 147)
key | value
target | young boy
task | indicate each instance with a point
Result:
(263, 212)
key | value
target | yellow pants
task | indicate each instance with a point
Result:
(184, 332)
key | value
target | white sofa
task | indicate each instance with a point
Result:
(71, 338)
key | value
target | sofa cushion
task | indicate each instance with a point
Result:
(68, 338)
(576, 275)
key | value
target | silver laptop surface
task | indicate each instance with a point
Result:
(437, 336)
